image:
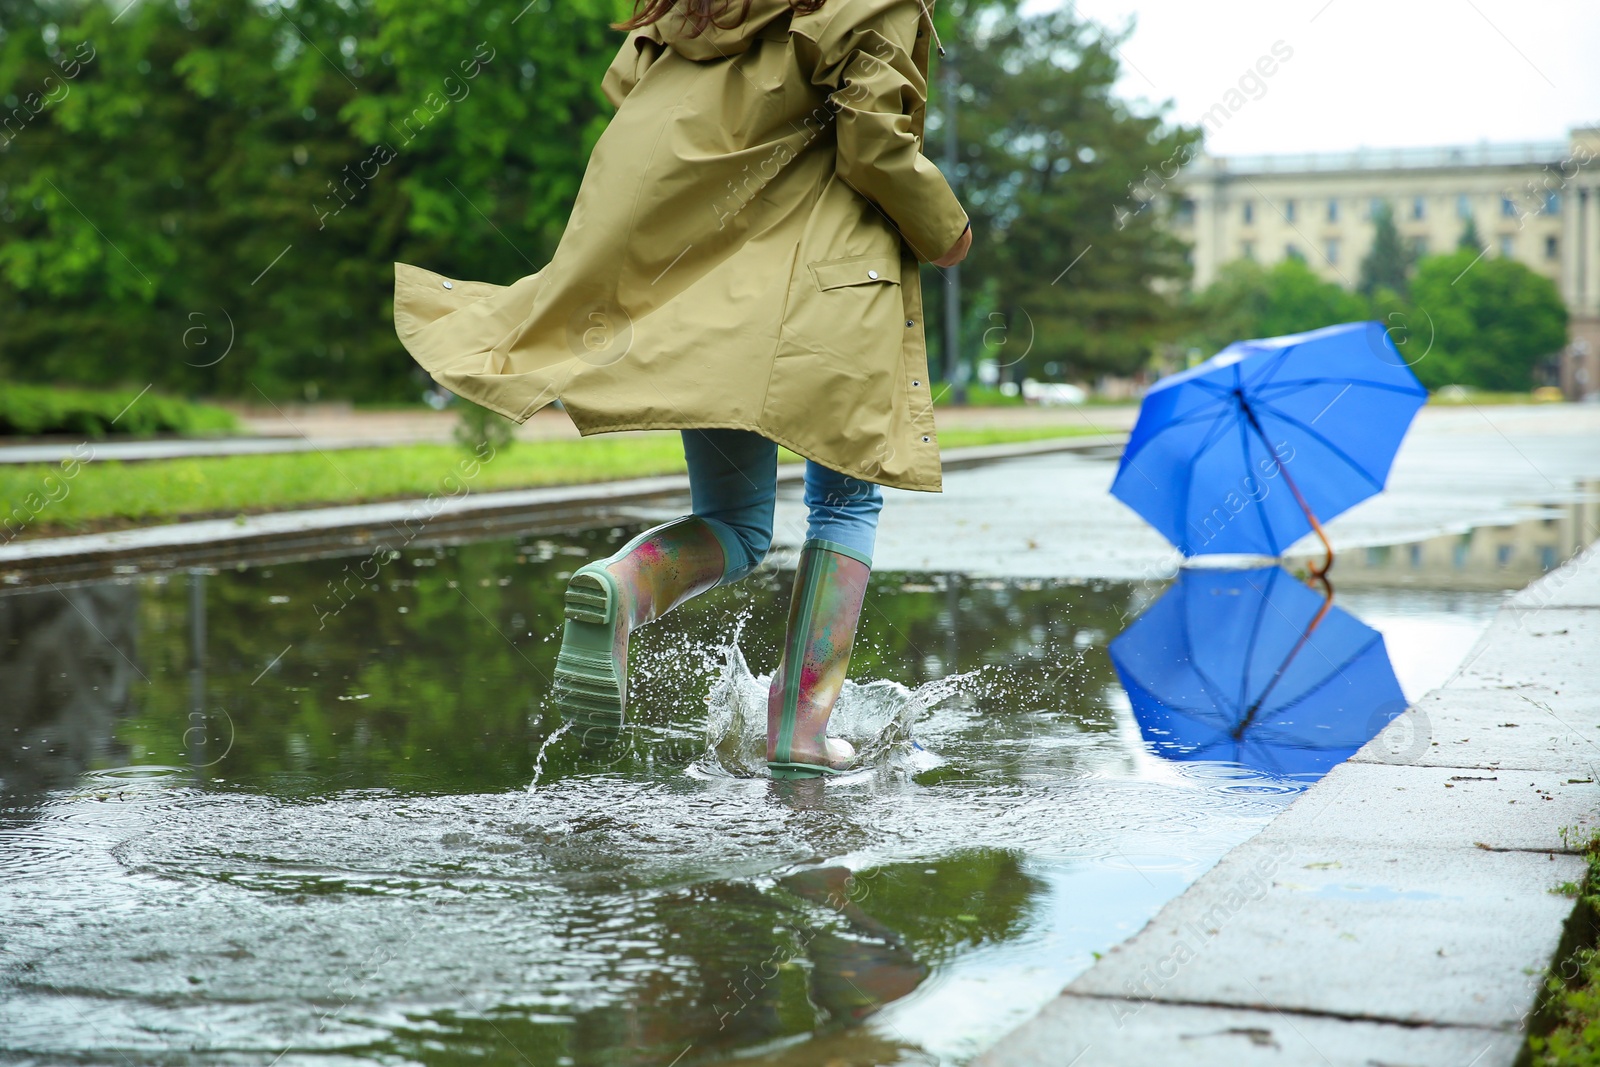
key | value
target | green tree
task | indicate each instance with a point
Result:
(1490, 322)
(1059, 173)
(1248, 300)
(1469, 236)
(230, 171)
(1388, 262)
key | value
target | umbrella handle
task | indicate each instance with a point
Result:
(1319, 573)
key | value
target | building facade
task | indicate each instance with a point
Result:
(1537, 203)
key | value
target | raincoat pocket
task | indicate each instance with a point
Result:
(855, 270)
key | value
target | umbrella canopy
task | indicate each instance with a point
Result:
(1229, 456)
(1254, 667)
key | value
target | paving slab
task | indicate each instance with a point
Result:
(1085, 1031)
(1546, 652)
(1490, 729)
(1334, 926)
(1404, 807)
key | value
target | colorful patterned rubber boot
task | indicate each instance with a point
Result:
(609, 599)
(828, 590)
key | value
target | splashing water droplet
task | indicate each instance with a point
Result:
(538, 761)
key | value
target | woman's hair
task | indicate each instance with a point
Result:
(699, 13)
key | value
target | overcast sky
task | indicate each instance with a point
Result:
(1365, 72)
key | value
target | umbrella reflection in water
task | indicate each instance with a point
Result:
(1255, 667)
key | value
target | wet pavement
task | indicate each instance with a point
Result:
(321, 811)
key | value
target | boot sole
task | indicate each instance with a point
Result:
(589, 684)
(789, 771)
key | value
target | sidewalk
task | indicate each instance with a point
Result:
(1401, 911)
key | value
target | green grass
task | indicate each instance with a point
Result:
(42, 499)
(1568, 1029)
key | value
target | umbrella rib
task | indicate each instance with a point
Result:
(1261, 511)
(1298, 383)
(1329, 677)
(1335, 449)
(1194, 416)
(1188, 470)
(1250, 650)
(1212, 689)
(1273, 366)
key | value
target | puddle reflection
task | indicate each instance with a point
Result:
(1254, 667)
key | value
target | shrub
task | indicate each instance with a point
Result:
(36, 409)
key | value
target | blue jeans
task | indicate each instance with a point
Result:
(733, 482)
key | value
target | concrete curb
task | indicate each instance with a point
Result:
(439, 517)
(1401, 910)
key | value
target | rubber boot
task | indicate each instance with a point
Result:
(610, 598)
(828, 590)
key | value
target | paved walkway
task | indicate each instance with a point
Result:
(1401, 911)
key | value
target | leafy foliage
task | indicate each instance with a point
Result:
(1483, 323)
(1388, 263)
(213, 201)
(1053, 166)
(1492, 321)
(28, 409)
(1248, 300)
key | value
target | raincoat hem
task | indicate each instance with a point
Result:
(910, 482)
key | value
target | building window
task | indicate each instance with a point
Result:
(1293, 252)
(1508, 207)
(1419, 247)
(1333, 250)
(1333, 211)
(1418, 207)
(1552, 203)
(1507, 245)
(1249, 209)
(1247, 249)
(1186, 212)
(1552, 248)
(1377, 207)
(1463, 206)
(1288, 210)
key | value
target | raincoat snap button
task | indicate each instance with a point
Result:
(915, 384)
(925, 439)
(872, 274)
(448, 285)
(910, 323)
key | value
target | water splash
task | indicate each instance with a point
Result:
(877, 717)
(538, 760)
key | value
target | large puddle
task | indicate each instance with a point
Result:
(317, 812)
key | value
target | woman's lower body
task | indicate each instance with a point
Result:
(733, 477)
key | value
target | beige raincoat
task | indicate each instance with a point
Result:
(742, 253)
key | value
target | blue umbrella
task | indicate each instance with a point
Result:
(1247, 451)
(1254, 667)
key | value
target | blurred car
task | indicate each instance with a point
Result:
(1052, 393)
